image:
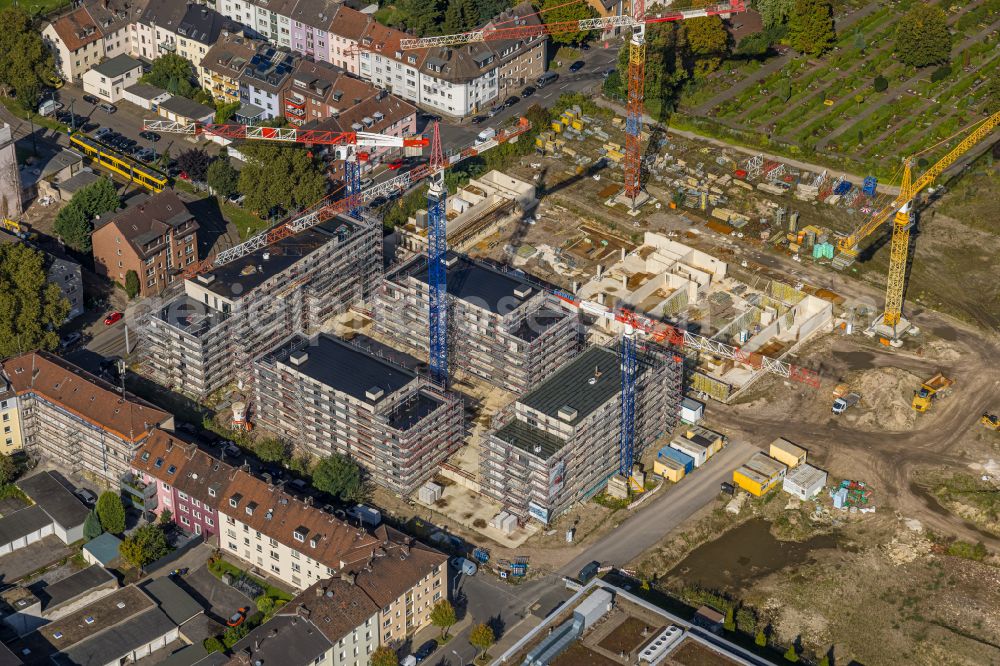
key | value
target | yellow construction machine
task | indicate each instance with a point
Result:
(934, 388)
(991, 421)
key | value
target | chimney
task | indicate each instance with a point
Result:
(320, 591)
(348, 577)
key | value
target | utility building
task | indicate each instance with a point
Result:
(332, 396)
(208, 336)
(558, 444)
(501, 327)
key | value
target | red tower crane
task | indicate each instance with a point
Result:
(636, 21)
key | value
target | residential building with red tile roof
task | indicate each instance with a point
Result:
(89, 33)
(346, 29)
(78, 421)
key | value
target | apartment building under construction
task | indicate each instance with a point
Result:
(76, 420)
(207, 337)
(501, 326)
(332, 396)
(558, 444)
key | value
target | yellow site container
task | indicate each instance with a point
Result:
(753, 483)
(759, 475)
(570, 152)
(557, 126)
(787, 453)
(578, 125)
(539, 142)
(668, 469)
(615, 156)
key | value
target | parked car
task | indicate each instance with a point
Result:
(366, 183)
(495, 110)
(237, 618)
(70, 339)
(90, 99)
(395, 165)
(86, 496)
(236, 198)
(107, 108)
(230, 449)
(426, 650)
(486, 135)
(103, 133)
(511, 101)
(466, 566)
(546, 78)
(113, 318)
(478, 120)
(528, 91)
(150, 136)
(577, 66)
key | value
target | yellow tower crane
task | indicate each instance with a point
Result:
(902, 207)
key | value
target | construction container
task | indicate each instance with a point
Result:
(670, 453)
(578, 125)
(804, 482)
(556, 126)
(698, 453)
(615, 156)
(740, 173)
(759, 475)
(668, 468)
(692, 411)
(785, 452)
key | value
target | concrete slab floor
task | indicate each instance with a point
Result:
(465, 507)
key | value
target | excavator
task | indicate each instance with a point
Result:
(991, 421)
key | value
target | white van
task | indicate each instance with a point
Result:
(486, 135)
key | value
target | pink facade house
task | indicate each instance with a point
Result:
(311, 21)
(346, 28)
(188, 482)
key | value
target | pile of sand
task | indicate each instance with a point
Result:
(886, 394)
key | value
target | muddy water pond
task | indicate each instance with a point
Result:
(744, 554)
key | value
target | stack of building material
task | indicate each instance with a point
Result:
(429, 493)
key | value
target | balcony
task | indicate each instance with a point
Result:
(142, 496)
(295, 100)
(289, 109)
(167, 47)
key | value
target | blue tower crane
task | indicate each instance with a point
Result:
(352, 181)
(629, 370)
(437, 272)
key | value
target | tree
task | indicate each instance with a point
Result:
(339, 476)
(73, 223)
(482, 638)
(265, 604)
(223, 111)
(276, 175)
(824, 660)
(791, 655)
(31, 308)
(92, 526)
(173, 73)
(384, 656)
(232, 635)
(460, 16)
(194, 163)
(443, 616)
(761, 638)
(880, 84)
(73, 227)
(146, 544)
(111, 512)
(730, 623)
(922, 36)
(222, 177)
(26, 65)
(165, 517)
(213, 644)
(708, 42)
(271, 449)
(132, 285)
(774, 12)
(810, 26)
(559, 10)
(8, 469)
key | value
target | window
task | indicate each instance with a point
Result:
(209, 522)
(275, 568)
(185, 521)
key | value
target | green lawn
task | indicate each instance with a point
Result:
(40, 7)
(248, 223)
(220, 566)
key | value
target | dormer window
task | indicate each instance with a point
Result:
(299, 533)
(250, 507)
(171, 469)
(411, 59)
(235, 500)
(145, 456)
(159, 463)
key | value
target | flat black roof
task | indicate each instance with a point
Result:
(175, 602)
(191, 316)
(63, 506)
(110, 645)
(71, 587)
(528, 438)
(251, 271)
(345, 368)
(412, 411)
(479, 284)
(22, 523)
(583, 384)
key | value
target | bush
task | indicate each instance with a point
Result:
(132, 285)
(880, 84)
(941, 73)
(232, 635)
(111, 512)
(213, 644)
(791, 655)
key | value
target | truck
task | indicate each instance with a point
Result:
(934, 388)
(845, 402)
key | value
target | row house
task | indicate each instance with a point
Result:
(157, 237)
(154, 32)
(79, 422)
(311, 24)
(268, 18)
(93, 31)
(519, 61)
(345, 30)
(221, 68)
(170, 474)
(385, 64)
(459, 82)
(382, 113)
(279, 534)
(262, 81)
